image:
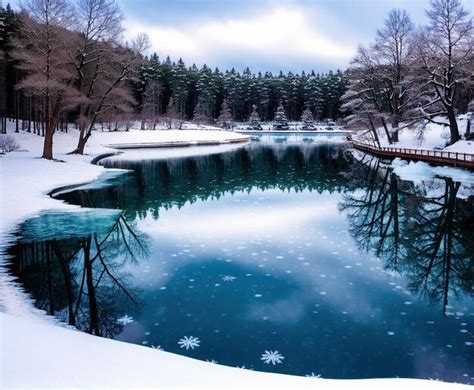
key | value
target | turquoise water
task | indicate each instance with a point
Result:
(290, 253)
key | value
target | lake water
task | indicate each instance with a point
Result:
(285, 255)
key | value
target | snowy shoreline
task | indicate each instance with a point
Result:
(65, 353)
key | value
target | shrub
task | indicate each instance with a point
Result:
(8, 143)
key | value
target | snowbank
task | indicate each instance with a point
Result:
(433, 136)
(421, 171)
(42, 356)
(33, 353)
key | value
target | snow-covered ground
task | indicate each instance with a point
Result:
(37, 351)
(433, 136)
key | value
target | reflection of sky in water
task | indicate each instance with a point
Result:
(301, 287)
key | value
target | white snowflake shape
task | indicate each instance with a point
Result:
(189, 342)
(228, 278)
(273, 357)
(157, 347)
(313, 375)
(125, 320)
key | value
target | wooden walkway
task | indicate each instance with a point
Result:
(455, 159)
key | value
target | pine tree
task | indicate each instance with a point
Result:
(313, 95)
(207, 90)
(179, 86)
(201, 113)
(225, 117)
(172, 116)
(281, 122)
(307, 119)
(254, 119)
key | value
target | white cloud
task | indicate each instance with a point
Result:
(285, 35)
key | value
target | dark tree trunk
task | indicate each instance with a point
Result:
(93, 308)
(48, 144)
(453, 126)
(66, 271)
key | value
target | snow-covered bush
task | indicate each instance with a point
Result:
(8, 143)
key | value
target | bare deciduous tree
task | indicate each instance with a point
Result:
(43, 53)
(392, 49)
(113, 70)
(103, 66)
(444, 51)
(97, 22)
(364, 99)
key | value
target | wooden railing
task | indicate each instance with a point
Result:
(465, 160)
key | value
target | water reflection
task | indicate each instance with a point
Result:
(162, 184)
(79, 276)
(339, 265)
(424, 233)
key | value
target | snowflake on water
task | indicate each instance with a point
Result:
(157, 347)
(228, 278)
(125, 320)
(273, 357)
(313, 375)
(189, 342)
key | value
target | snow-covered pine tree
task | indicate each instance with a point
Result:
(172, 116)
(201, 113)
(254, 119)
(232, 91)
(206, 88)
(312, 93)
(281, 122)
(246, 86)
(264, 90)
(307, 119)
(225, 117)
(179, 86)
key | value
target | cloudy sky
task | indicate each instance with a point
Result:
(263, 34)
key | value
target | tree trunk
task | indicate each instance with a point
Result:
(394, 211)
(66, 271)
(387, 133)
(81, 144)
(395, 130)
(453, 126)
(48, 144)
(374, 131)
(93, 308)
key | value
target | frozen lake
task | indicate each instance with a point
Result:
(286, 255)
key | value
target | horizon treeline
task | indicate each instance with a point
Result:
(163, 81)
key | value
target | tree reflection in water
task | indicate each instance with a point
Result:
(423, 231)
(82, 279)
